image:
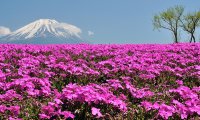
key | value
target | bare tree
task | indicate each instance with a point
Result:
(170, 20)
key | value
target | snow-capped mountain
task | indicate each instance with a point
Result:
(45, 31)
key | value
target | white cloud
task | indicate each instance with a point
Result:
(90, 33)
(4, 30)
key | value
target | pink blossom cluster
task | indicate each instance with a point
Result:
(100, 81)
(185, 103)
(92, 93)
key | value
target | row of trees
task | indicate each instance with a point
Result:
(174, 19)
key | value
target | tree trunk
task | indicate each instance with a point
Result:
(175, 37)
(193, 38)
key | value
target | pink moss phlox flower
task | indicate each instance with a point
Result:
(193, 105)
(147, 105)
(141, 93)
(92, 93)
(58, 101)
(116, 84)
(185, 92)
(165, 111)
(15, 110)
(181, 109)
(48, 111)
(123, 97)
(3, 108)
(96, 112)
(11, 118)
(156, 106)
(2, 75)
(179, 82)
(44, 116)
(10, 95)
(67, 114)
(196, 89)
(138, 93)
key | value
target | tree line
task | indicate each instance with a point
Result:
(174, 19)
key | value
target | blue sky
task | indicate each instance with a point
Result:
(109, 21)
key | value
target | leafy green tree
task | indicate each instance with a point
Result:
(189, 24)
(170, 20)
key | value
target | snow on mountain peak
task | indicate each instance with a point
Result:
(46, 21)
(44, 28)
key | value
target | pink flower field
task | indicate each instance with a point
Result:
(115, 82)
